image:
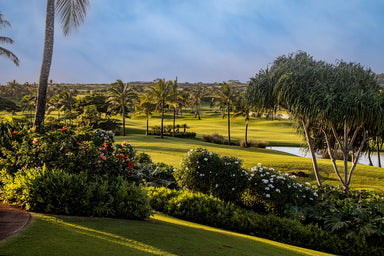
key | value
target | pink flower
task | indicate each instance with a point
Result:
(103, 157)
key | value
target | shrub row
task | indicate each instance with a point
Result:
(177, 134)
(58, 192)
(208, 210)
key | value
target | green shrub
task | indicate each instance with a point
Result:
(143, 158)
(208, 210)
(214, 138)
(206, 172)
(255, 143)
(58, 192)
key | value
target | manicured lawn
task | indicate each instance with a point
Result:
(160, 235)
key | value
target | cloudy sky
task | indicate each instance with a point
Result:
(196, 40)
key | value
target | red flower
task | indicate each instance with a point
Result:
(130, 164)
(129, 172)
(105, 144)
(120, 155)
(103, 157)
(14, 132)
(64, 128)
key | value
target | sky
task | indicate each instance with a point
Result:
(195, 40)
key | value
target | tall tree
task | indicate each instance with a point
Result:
(119, 96)
(145, 106)
(159, 92)
(196, 94)
(72, 14)
(174, 103)
(339, 106)
(243, 108)
(7, 40)
(224, 98)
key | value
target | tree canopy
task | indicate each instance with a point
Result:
(339, 106)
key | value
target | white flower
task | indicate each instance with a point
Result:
(236, 162)
(255, 184)
(186, 168)
(270, 185)
(217, 185)
(271, 169)
(315, 194)
(265, 181)
(197, 162)
(311, 198)
(205, 159)
(198, 167)
(233, 188)
(268, 195)
(304, 196)
(259, 165)
(307, 183)
(191, 150)
(278, 190)
(210, 153)
(266, 188)
(266, 172)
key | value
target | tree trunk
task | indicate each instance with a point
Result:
(146, 133)
(229, 127)
(123, 113)
(45, 66)
(313, 155)
(174, 122)
(378, 152)
(369, 157)
(162, 118)
(246, 133)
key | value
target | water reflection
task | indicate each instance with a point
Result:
(303, 152)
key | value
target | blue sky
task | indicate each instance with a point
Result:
(196, 40)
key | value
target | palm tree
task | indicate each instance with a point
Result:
(174, 103)
(146, 107)
(119, 95)
(7, 40)
(225, 97)
(159, 92)
(72, 14)
(195, 97)
(28, 102)
(243, 108)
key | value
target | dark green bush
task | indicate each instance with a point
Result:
(206, 172)
(208, 210)
(58, 192)
(214, 138)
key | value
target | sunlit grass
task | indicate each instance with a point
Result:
(160, 235)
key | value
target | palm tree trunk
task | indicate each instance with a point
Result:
(369, 157)
(146, 133)
(378, 152)
(174, 122)
(229, 127)
(45, 66)
(246, 133)
(123, 113)
(162, 118)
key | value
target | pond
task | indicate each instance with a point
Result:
(303, 152)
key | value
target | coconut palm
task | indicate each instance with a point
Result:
(243, 108)
(174, 102)
(145, 107)
(119, 96)
(224, 98)
(159, 92)
(72, 14)
(196, 95)
(28, 102)
(7, 40)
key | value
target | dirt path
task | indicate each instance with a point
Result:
(12, 220)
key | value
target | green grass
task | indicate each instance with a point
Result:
(160, 235)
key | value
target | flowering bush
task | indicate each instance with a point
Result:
(278, 191)
(73, 151)
(206, 172)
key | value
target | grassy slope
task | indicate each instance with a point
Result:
(281, 132)
(160, 235)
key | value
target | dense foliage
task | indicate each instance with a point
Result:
(208, 173)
